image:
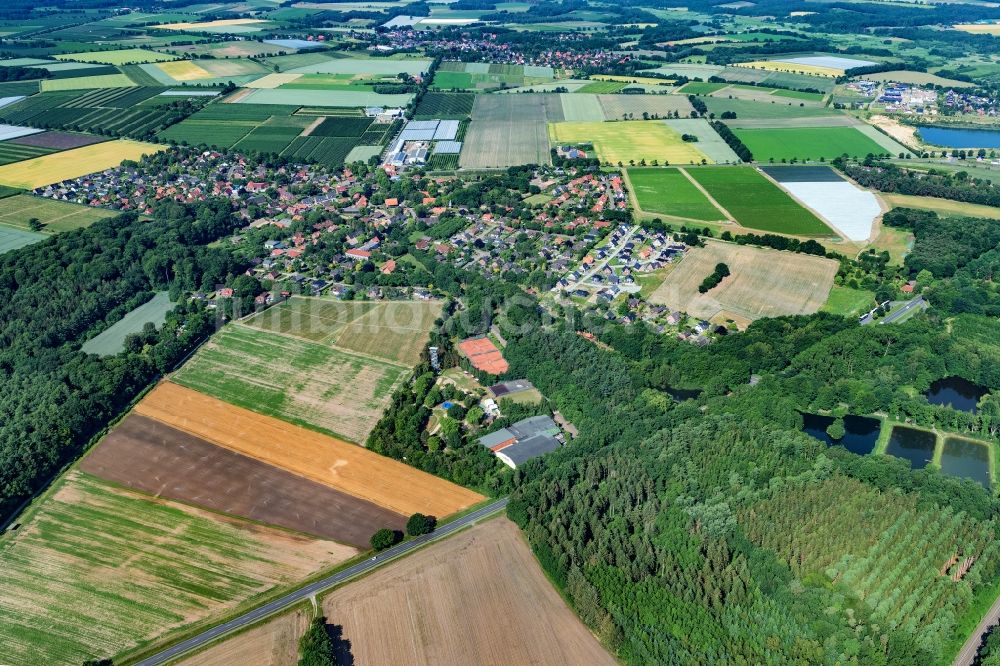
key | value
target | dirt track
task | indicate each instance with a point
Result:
(147, 455)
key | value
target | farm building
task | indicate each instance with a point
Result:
(484, 355)
(524, 440)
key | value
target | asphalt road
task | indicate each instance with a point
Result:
(968, 652)
(917, 302)
(304, 593)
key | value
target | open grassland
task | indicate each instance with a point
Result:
(274, 643)
(146, 455)
(13, 239)
(57, 167)
(943, 207)
(628, 142)
(776, 108)
(795, 68)
(669, 192)
(616, 107)
(396, 331)
(88, 82)
(307, 383)
(807, 143)
(757, 203)
(117, 57)
(479, 580)
(97, 570)
(337, 464)
(112, 340)
(57, 216)
(762, 283)
(847, 301)
(183, 70)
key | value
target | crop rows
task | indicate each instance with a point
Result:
(446, 106)
(13, 152)
(330, 151)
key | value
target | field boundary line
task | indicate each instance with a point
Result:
(708, 196)
(334, 346)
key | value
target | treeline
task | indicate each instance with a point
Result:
(54, 398)
(943, 245)
(15, 73)
(779, 243)
(732, 140)
(886, 177)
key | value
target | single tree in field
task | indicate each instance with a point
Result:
(35, 224)
(315, 646)
(420, 524)
(385, 538)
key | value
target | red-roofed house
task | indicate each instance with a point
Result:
(358, 254)
(388, 267)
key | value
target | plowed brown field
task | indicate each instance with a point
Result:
(478, 597)
(147, 455)
(330, 461)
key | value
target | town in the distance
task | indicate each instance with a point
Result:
(500, 332)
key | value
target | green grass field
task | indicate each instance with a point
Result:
(118, 57)
(112, 340)
(779, 108)
(804, 143)
(847, 301)
(669, 192)
(97, 570)
(306, 383)
(701, 88)
(57, 216)
(14, 239)
(757, 203)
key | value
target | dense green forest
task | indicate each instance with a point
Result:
(54, 294)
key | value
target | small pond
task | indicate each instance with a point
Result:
(911, 444)
(963, 457)
(957, 137)
(680, 395)
(958, 393)
(860, 432)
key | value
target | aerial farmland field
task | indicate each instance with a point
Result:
(762, 283)
(509, 130)
(74, 163)
(396, 331)
(57, 216)
(119, 57)
(88, 82)
(628, 142)
(346, 467)
(13, 239)
(407, 613)
(757, 203)
(807, 143)
(307, 383)
(274, 643)
(149, 456)
(669, 192)
(92, 551)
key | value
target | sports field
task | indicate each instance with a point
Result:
(395, 331)
(117, 57)
(57, 216)
(762, 283)
(146, 455)
(755, 202)
(670, 192)
(408, 612)
(96, 570)
(57, 167)
(112, 340)
(807, 143)
(306, 383)
(337, 464)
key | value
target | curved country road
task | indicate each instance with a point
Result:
(304, 593)
(968, 652)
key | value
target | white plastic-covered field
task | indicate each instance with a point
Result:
(842, 204)
(14, 131)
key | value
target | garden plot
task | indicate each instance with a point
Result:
(843, 205)
(762, 283)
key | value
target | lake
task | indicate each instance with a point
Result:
(911, 444)
(958, 393)
(963, 457)
(952, 137)
(860, 432)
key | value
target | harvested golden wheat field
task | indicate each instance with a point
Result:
(762, 283)
(274, 643)
(479, 597)
(346, 467)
